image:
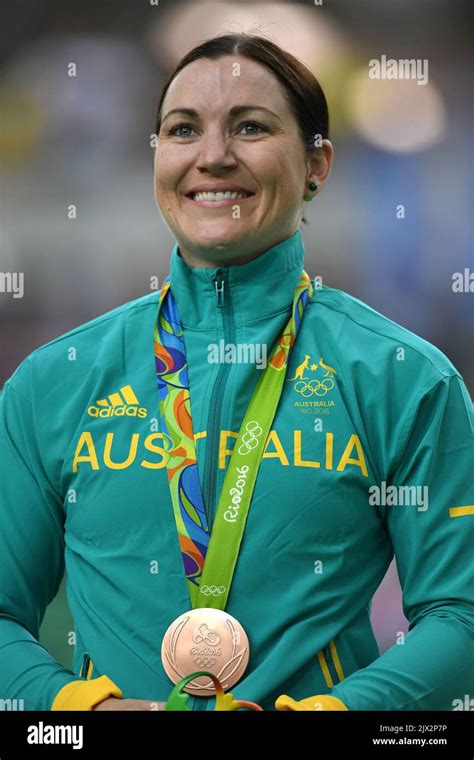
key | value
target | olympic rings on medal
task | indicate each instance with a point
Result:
(205, 662)
(250, 437)
(313, 387)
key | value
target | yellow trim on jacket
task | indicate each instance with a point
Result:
(335, 661)
(84, 695)
(325, 669)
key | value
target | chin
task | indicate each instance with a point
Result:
(215, 238)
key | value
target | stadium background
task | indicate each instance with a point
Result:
(85, 140)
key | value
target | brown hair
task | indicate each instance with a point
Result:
(304, 94)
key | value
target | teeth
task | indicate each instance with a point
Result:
(221, 196)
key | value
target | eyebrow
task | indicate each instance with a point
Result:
(234, 111)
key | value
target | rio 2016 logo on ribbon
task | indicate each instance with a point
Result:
(253, 431)
(236, 492)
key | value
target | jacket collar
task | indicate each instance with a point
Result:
(258, 289)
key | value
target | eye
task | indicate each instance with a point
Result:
(173, 130)
(176, 129)
(254, 124)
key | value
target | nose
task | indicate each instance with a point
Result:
(215, 152)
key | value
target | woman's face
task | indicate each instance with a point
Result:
(257, 149)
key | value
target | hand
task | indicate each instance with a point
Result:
(112, 703)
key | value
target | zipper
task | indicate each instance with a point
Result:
(85, 665)
(219, 286)
(224, 302)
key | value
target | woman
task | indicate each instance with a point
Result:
(305, 406)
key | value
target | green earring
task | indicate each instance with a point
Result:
(313, 186)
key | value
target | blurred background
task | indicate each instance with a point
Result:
(392, 226)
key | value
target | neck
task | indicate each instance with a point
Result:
(256, 288)
(214, 257)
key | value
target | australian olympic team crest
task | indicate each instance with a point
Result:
(313, 382)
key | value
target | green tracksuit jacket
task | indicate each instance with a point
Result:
(368, 408)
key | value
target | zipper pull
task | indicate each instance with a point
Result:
(85, 665)
(219, 285)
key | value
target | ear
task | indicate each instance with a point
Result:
(319, 167)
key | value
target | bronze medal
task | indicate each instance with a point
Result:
(205, 638)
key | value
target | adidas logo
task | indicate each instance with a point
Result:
(121, 404)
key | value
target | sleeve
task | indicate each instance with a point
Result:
(31, 568)
(433, 540)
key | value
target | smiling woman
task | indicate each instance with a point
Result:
(216, 515)
(233, 177)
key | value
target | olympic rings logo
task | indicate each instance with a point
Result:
(212, 590)
(205, 662)
(250, 437)
(314, 387)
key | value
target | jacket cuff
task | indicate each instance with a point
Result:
(318, 702)
(84, 695)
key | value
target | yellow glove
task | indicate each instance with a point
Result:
(319, 702)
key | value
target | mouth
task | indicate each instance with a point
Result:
(218, 198)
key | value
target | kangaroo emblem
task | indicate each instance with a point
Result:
(301, 368)
(329, 370)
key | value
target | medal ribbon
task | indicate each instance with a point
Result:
(209, 559)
